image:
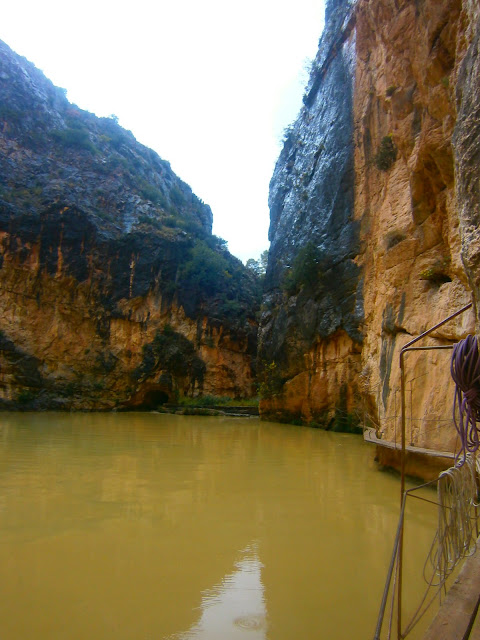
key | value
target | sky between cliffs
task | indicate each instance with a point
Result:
(209, 84)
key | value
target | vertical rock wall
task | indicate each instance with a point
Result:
(68, 343)
(310, 329)
(466, 142)
(411, 258)
(396, 244)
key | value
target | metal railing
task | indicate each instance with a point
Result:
(455, 539)
(395, 569)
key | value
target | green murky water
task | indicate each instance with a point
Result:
(147, 526)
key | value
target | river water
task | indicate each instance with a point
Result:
(146, 526)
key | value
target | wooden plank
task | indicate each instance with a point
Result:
(370, 436)
(456, 616)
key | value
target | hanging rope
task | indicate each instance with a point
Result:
(456, 535)
(465, 369)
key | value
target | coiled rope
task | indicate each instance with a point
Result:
(465, 369)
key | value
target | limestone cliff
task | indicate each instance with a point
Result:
(113, 290)
(374, 218)
(310, 333)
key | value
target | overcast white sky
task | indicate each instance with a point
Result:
(209, 84)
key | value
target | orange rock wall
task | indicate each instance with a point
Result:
(418, 256)
(330, 368)
(407, 54)
(86, 356)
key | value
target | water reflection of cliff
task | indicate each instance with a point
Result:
(130, 520)
(235, 608)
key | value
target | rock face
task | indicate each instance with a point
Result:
(412, 259)
(374, 221)
(466, 143)
(113, 291)
(310, 333)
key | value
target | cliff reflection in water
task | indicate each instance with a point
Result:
(121, 526)
(235, 608)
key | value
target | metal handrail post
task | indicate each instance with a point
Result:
(402, 497)
(388, 581)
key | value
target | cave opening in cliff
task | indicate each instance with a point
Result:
(154, 398)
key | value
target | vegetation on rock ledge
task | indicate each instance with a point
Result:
(305, 271)
(172, 353)
(386, 154)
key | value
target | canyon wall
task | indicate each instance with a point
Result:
(374, 218)
(312, 311)
(113, 291)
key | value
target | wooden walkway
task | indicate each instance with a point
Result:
(457, 618)
(369, 435)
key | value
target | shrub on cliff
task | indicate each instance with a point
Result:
(211, 279)
(206, 270)
(150, 192)
(75, 138)
(177, 196)
(270, 382)
(172, 352)
(305, 270)
(437, 273)
(386, 154)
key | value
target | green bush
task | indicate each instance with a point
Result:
(170, 221)
(150, 192)
(305, 271)
(152, 222)
(437, 273)
(116, 161)
(204, 401)
(177, 196)
(69, 389)
(206, 270)
(232, 309)
(25, 397)
(217, 401)
(75, 138)
(270, 383)
(190, 225)
(173, 353)
(386, 155)
(215, 242)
